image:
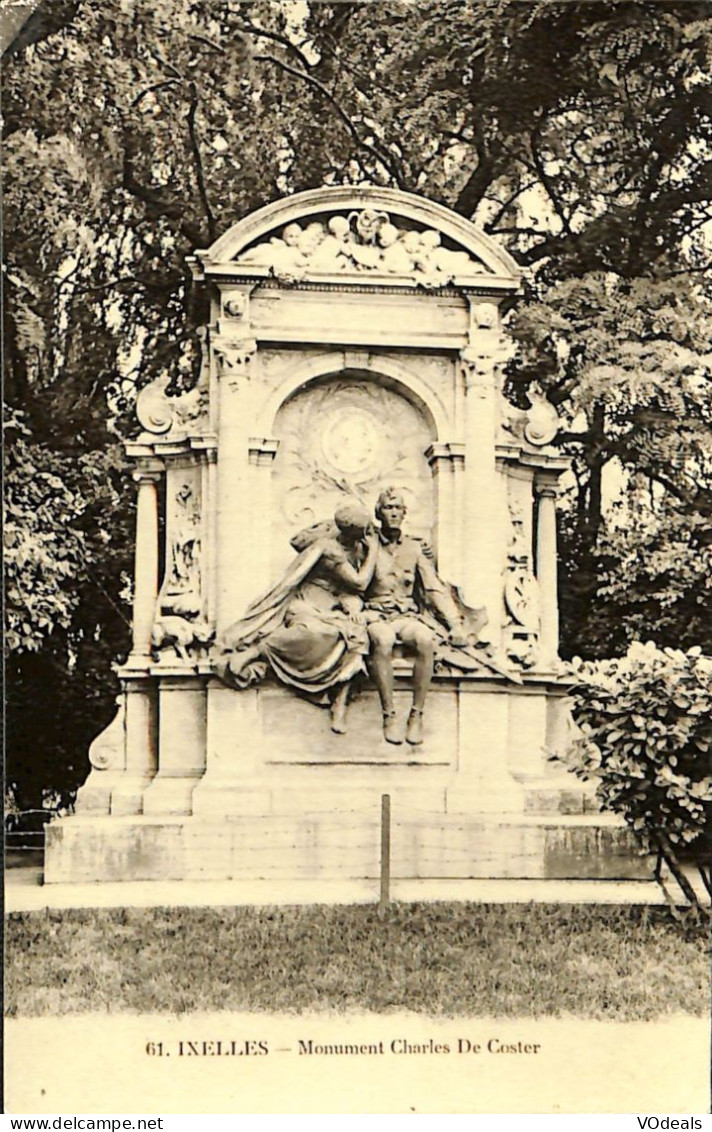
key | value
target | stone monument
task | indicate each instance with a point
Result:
(359, 581)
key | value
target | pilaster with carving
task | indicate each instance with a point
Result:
(233, 361)
(521, 595)
(182, 630)
(484, 488)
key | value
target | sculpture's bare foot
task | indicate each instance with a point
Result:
(338, 717)
(390, 728)
(414, 730)
(338, 710)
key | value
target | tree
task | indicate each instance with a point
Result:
(631, 361)
(573, 132)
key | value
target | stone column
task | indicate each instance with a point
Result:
(146, 560)
(140, 720)
(483, 516)
(546, 571)
(447, 464)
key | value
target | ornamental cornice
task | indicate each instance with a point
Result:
(147, 446)
(261, 279)
(556, 462)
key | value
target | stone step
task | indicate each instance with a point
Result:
(25, 892)
(425, 790)
(578, 846)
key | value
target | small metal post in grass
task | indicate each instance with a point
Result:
(385, 854)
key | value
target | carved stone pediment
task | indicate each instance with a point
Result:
(362, 242)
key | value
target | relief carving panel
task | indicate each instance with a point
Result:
(363, 242)
(521, 595)
(348, 438)
(180, 627)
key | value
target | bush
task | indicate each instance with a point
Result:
(645, 735)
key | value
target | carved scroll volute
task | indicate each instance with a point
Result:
(108, 749)
(160, 414)
(153, 408)
(542, 420)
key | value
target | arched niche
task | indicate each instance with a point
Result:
(349, 434)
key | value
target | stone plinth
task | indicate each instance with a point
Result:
(346, 845)
(282, 796)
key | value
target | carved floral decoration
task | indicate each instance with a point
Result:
(363, 242)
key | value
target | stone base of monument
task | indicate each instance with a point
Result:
(279, 795)
(344, 845)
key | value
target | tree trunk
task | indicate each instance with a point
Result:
(595, 460)
(670, 857)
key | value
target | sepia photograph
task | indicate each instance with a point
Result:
(357, 403)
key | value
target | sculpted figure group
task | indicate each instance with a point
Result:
(352, 595)
(364, 241)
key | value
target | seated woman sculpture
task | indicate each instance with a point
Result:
(308, 628)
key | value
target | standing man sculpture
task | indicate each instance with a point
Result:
(405, 603)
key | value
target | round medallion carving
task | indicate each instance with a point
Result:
(352, 442)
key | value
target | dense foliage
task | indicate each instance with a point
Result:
(645, 738)
(575, 133)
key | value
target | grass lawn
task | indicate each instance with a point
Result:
(438, 959)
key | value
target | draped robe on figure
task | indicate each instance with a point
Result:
(310, 640)
(302, 626)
